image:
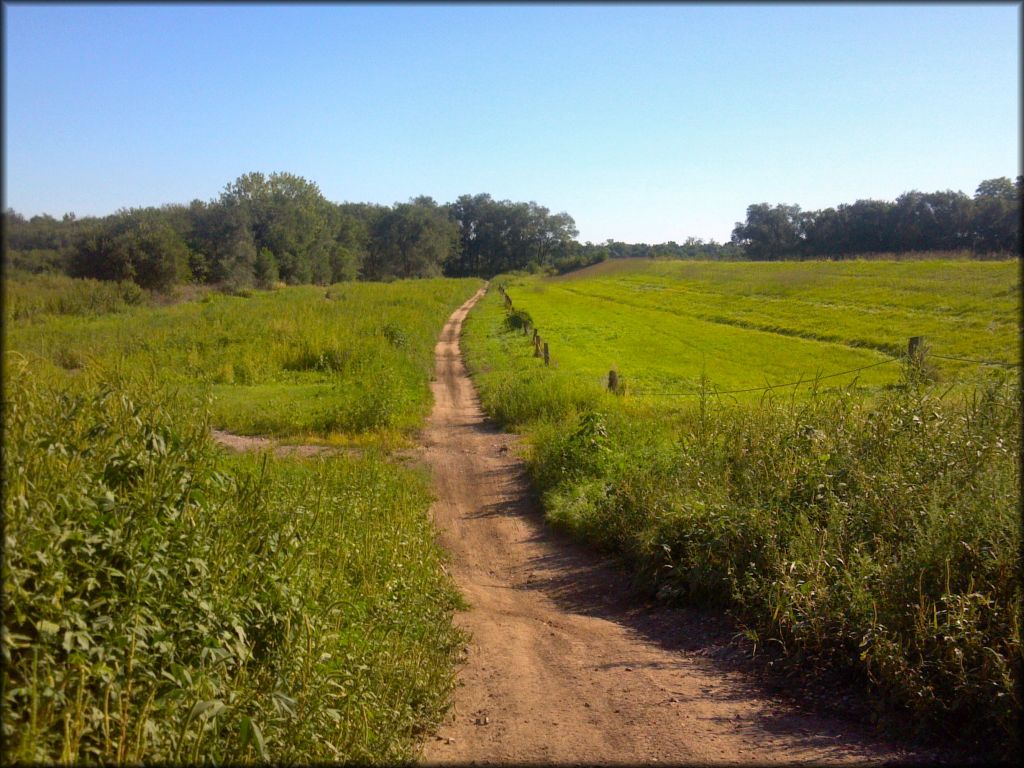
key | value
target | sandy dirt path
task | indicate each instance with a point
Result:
(563, 665)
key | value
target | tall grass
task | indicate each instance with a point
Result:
(878, 534)
(164, 603)
(34, 296)
(352, 360)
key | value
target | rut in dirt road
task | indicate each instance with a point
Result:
(563, 666)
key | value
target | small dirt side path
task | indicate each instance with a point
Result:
(254, 443)
(564, 666)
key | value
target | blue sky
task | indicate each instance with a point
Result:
(645, 123)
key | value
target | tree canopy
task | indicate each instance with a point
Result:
(268, 228)
(916, 221)
(501, 236)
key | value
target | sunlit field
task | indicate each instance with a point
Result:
(867, 523)
(346, 363)
(664, 325)
(167, 602)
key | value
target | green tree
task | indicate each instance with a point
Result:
(999, 189)
(770, 232)
(500, 235)
(290, 217)
(138, 245)
(222, 234)
(344, 263)
(933, 221)
(413, 239)
(265, 268)
(996, 221)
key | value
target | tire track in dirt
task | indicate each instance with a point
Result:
(564, 666)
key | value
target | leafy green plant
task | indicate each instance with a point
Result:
(35, 296)
(166, 603)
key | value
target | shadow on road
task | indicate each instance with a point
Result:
(581, 580)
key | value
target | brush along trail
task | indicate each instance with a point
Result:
(564, 665)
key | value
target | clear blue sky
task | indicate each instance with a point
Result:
(645, 123)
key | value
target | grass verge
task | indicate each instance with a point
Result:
(877, 534)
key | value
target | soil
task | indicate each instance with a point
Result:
(567, 663)
(244, 443)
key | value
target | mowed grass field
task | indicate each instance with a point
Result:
(165, 601)
(664, 325)
(868, 526)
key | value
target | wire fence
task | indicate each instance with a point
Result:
(917, 354)
(807, 380)
(999, 363)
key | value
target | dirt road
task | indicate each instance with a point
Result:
(563, 665)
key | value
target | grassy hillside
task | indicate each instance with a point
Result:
(748, 325)
(166, 602)
(869, 528)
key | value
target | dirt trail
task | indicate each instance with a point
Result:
(563, 665)
(247, 443)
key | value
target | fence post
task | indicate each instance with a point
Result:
(917, 365)
(613, 381)
(536, 345)
(916, 349)
(547, 357)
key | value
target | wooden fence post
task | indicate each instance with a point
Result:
(536, 346)
(917, 363)
(916, 349)
(547, 357)
(613, 381)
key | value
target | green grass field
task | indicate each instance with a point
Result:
(167, 602)
(870, 526)
(663, 325)
(350, 363)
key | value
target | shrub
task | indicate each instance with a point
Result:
(165, 603)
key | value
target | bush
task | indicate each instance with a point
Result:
(28, 297)
(164, 603)
(518, 320)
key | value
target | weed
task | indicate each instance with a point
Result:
(870, 529)
(164, 602)
(264, 355)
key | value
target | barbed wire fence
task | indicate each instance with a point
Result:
(917, 355)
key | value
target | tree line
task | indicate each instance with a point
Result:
(988, 223)
(279, 228)
(265, 229)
